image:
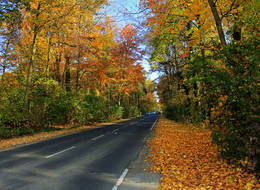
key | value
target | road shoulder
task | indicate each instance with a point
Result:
(139, 177)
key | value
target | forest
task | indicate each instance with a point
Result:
(67, 63)
(207, 53)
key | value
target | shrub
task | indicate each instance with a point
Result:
(59, 109)
(236, 119)
(229, 87)
(13, 120)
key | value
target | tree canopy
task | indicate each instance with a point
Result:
(208, 55)
(66, 62)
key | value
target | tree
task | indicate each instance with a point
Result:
(127, 71)
(59, 58)
(10, 24)
(184, 38)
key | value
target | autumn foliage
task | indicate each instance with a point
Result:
(207, 53)
(187, 159)
(66, 63)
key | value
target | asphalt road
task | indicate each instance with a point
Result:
(95, 159)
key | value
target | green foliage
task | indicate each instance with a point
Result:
(59, 109)
(127, 110)
(203, 80)
(229, 96)
(119, 112)
(91, 109)
(50, 105)
(175, 112)
(222, 89)
(134, 111)
(13, 121)
(239, 115)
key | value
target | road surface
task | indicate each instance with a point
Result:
(95, 159)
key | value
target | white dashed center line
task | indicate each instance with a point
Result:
(97, 137)
(133, 123)
(60, 152)
(115, 130)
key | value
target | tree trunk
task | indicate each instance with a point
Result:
(236, 33)
(237, 29)
(48, 56)
(4, 62)
(119, 100)
(30, 70)
(31, 62)
(78, 70)
(77, 80)
(218, 22)
(57, 68)
(67, 74)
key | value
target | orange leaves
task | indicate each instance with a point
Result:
(127, 72)
(186, 54)
(187, 159)
(194, 16)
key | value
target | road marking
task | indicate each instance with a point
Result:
(115, 130)
(60, 152)
(97, 137)
(133, 123)
(154, 124)
(120, 180)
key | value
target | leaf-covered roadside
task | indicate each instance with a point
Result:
(187, 159)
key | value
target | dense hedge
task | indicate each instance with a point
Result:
(226, 98)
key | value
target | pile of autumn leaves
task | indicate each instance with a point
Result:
(186, 159)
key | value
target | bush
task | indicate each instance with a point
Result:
(176, 112)
(236, 119)
(60, 109)
(15, 129)
(229, 88)
(13, 121)
(90, 109)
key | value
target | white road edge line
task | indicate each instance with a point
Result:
(120, 180)
(97, 137)
(60, 152)
(115, 130)
(154, 124)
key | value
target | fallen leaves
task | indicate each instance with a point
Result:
(187, 159)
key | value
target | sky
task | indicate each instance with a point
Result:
(127, 11)
(124, 11)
